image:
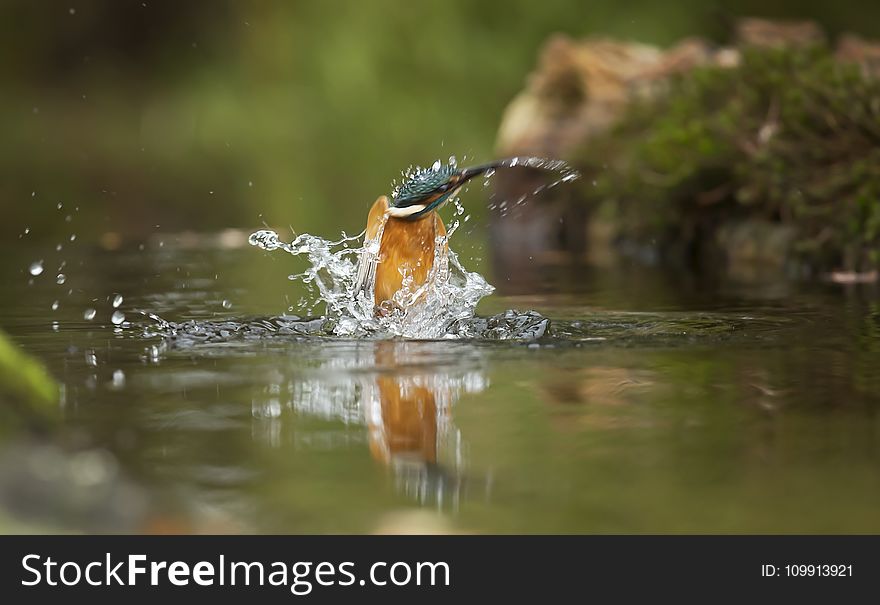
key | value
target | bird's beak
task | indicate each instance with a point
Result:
(469, 173)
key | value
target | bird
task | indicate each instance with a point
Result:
(409, 226)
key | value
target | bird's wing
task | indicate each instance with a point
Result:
(366, 274)
(440, 228)
(377, 216)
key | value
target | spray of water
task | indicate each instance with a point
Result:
(448, 296)
(341, 275)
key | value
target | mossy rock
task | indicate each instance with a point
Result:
(787, 136)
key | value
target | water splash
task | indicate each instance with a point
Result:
(567, 175)
(341, 275)
(336, 279)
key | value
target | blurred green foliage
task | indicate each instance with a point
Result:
(204, 114)
(28, 395)
(788, 136)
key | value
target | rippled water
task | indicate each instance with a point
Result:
(610, 400)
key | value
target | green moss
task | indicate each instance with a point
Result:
(789, 136)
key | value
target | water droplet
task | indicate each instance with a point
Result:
(55, 305)
(73, 237)
(60, 278)
(89, 314)
(36, 267)
(117, 300)
(118, 379)
(27, 230)
(60, 205)
(72, 11)
(436, 166)
(54, 326)
(91, 358)
(58, 247)
(226, 304)
(118, 317)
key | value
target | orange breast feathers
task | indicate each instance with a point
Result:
(406, 247)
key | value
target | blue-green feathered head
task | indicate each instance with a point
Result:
(427, 189)
(424, 190)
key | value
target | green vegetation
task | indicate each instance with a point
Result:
(790, 137)
(201, 116)
(204, 115)
(28, 395)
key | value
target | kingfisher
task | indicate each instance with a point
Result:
(409, 226)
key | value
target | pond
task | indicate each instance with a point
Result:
(630, 401)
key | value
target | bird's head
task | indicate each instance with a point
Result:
(428, 189)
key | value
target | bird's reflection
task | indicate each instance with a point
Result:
(402, 393)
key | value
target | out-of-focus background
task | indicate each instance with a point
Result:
(685, 339)
(204, 115)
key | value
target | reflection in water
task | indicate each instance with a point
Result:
(629, 407)
(396, 390)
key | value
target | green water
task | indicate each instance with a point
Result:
(654, 404)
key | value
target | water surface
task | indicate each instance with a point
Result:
(628, 402)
